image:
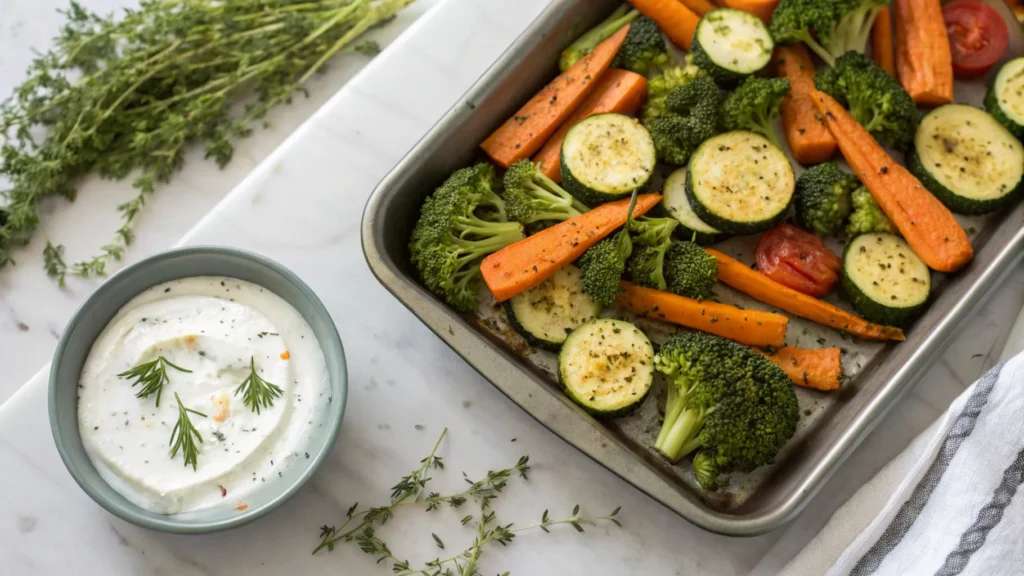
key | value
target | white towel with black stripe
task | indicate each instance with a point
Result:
(959, 508)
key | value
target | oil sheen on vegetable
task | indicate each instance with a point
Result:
(214, 327)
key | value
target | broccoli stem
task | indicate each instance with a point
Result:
(819, 50)
(856, 27)
(682, 433)
(475, 248)
(480, 227)
(550, 189)
(765, 123)
(586, 43)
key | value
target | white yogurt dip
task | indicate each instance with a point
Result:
(213, 327)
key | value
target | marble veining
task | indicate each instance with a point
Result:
(302, 207)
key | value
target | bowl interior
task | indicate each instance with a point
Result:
(86, 325)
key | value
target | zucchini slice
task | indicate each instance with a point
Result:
(677, 205)
(967, 159)
(606, 157)
(731, 44)
(1005, 98)
(739, 183)
(886, 282)
(607, 367)
(547, 314)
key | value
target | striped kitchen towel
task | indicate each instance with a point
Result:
(960, 509)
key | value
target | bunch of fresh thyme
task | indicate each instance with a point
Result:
(410, 491)
(117, 96)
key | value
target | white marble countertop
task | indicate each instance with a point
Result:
(405, 384)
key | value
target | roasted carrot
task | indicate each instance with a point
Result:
(525, 132)
(929, 227)
(818, 369)
(923, 56)
(881, 42)
(673, 17)
(700, 7)
(761, 8)
(750, 327)
(518, 267)
(809, 139)
(734, 273)
(618, 91)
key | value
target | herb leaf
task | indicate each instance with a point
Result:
(256, 392)
(152, 376)
(184, 435)
(127, 94)
(488, 530)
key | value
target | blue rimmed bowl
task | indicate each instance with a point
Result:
(92, 317)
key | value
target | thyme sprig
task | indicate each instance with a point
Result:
(152, 376)
(488, 530)
(256, 392)
(184, 435)
(126, 94)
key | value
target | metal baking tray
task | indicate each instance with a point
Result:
(832, 424)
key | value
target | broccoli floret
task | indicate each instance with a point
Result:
(734, 407)
(830, 28)
(690, 270)
(670, 79)
(874, 98)
(754, 104)
(532, 197)
(461, 223)
(823, 198)
(586, 43)
(867, 215)
(603, 266)
(651, 240)
(643, 50)
(691, 117)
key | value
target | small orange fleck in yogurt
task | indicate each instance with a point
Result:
(190, 342)
(285, 355)
(221, 405)
(242, 506)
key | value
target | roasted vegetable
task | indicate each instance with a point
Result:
(461, 223)
(823, 198)
(733, 407)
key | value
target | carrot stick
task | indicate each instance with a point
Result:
(518, 267)
(618, 91)
(750, 327)
(881, 42)
(700, 7)
(809, 140)
(673, 17)
(734, 273)
(923, 56)
(761, 8)
(524, 133)
(817, 369)
(929, 227)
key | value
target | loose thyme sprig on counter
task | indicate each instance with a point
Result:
(184, 435)
(488, 530)
(152, 376)
(126, 94)
(257, 392)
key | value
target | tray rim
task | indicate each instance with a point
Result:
(503, 369)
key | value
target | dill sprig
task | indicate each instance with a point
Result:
(184, 435)
(152, 376)
(488, 530)
(256, 392)
(126, 94)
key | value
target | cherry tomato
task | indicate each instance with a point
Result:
(798, 259)
(977, 36)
